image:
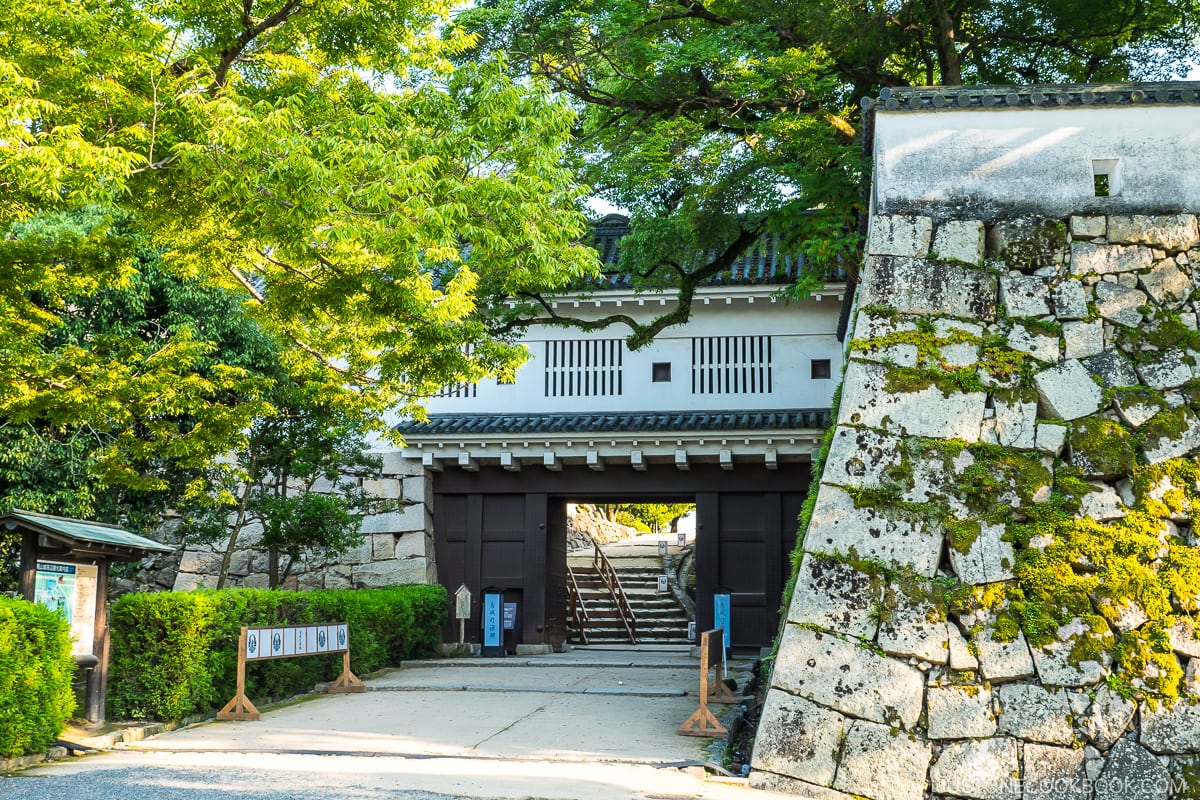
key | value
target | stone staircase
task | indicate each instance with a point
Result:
(660, 617)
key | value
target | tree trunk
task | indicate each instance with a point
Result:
(236, 528)
(949, 63)
(273, 568)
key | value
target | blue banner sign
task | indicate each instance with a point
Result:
(721, 615)
(492, 619)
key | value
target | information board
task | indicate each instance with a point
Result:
(70, 589)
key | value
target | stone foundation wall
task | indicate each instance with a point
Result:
(1000, 582)
(396, 548)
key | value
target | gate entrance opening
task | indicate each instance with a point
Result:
(507, 531)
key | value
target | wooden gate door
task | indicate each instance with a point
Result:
(743, 545)
(495, 541)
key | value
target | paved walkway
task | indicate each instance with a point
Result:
(586, 705)
(591, 724)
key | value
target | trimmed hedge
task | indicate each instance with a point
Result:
(36, 670)
(175, 653)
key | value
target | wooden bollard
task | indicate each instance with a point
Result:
(703, 723)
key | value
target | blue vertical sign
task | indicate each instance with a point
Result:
(721, 615)
(491, 619)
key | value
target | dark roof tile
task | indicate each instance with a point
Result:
(674, 421)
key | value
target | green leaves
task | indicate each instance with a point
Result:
(200, 202)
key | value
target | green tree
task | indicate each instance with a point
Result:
(274, 485)
(717, 122)
(321, 159)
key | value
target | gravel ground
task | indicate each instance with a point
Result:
(176, 783)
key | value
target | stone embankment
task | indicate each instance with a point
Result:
(1000, 582)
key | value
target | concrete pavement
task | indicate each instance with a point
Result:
(590, 724)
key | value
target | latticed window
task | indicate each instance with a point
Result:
(584, 368)
(731, 365)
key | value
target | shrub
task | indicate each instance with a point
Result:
(36, 669)
(175, 653)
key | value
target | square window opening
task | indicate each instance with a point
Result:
(660, 372)
(1106, 177)
(822, 369)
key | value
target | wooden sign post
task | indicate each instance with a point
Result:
(289, 641)
(462, 610)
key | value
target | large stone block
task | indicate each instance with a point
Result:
(924, 286)
(410, 518)
(1160, 445)
(1029, 243)
(897, 538)
(383, 546)
(1040, 346)
(1173, 232)
(881, 764)
(1167, 284)
(1003, 660)
(1067, 391)
(1015, 424)
(1030, 712)
(1105, 259)
(1171, 730)
(959, 240)
(1088, 227)
(960, 712)
(1108, 718)
(1120, 304)
(925, 412)
(798, 738)
(1057, 667)
(1112, 369)
(337, 576)
(1024, 295)
(204, 562)
(899, 236)
(414, 544)
(771, 782)
(848, 678)
(418, 489)
(1167, 369)
(1055, 773)
(1083, 339)
(188, 581)
(402, 463)
(386, 488)
(1070, 300)
(961, 657)
(987, 559)
(834, 595)
(914, 625)
(861, 457)
(1184, 639)
(391, 573)
(1131, 773)
(987, 769)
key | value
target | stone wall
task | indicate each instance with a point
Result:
(396, 548)
(999, 586)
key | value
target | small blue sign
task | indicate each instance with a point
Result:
(492, 618)
(721, 615)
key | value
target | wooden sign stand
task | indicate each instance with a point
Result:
(240, 706)
(301, 643)
(702, 722)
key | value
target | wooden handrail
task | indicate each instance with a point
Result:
(576, 606)
(608, 576)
